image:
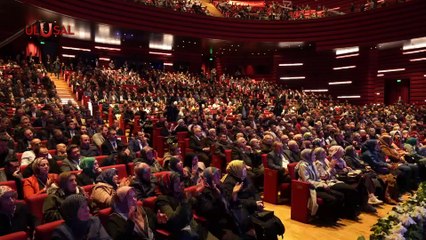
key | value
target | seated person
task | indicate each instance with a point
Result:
(90, 171)
(411, 170)
(86, 149)
(327, 172)
(106, 186)
(14, 216)
(44, 153)
(143, 183)
(176, 205)
(111, 145)
(41, 179)
(61, 152)
(72, 162)
(278, 160)
(293, 152)
(31, 154)
(197, 143)
(128, 220)
(332, 206)
(11, 172)
(211, 205)
(78, 222)
(57, 137)
(242, 196)
(66, 186)
(174, 151)
(139, 142)
(193, 169)
(148, 157)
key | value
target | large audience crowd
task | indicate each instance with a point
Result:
(267, 10)
(354, 157)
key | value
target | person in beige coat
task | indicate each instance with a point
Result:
(105, 188)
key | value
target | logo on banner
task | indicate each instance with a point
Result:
(47, 29)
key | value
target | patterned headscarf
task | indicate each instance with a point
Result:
(336, 149)
(235, 168)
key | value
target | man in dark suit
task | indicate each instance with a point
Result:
(87, 149)
(111, 144)
(137, 143)
(244, 152)
(278, 160)
(293, 151)
(197, 143)
(72, 162)
(71, 131)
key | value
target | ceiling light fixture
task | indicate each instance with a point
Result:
(344, 67)
(391, 70)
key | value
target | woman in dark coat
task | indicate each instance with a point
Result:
(79, 225)
(128, 220)
(212, 205)
(242, 195)
(176, 205)
(66, 186)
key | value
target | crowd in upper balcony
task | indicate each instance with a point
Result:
(269, 10)
(354, 157)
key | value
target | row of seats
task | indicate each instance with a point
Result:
(44, 231)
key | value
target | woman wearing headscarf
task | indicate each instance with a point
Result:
(66, 185)
(353, 161)
(306, 171)
(106, 186)
(362, 182)
(14, 216)
(128, 220)
(386, 171)
(410, 171)
(242, 195)
(41, 179)
(176, 165)
(327, 172)
(90, 171)
(191, 169)
(212, 206)
(79, 225)
(176, 205)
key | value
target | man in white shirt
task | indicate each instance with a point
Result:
(29, 156)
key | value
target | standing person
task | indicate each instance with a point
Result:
(79, 225)
(57, 67)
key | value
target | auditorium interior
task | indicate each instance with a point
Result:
(212, 119)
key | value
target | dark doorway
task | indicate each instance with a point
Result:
(397, 90)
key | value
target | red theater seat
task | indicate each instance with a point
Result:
(121, 168)
(299, 199)
(15, 236)
(271, 187)
(88, 189)
(11, 184)
(101, 159)
(35, 204)
(44, 232)
(103, 215)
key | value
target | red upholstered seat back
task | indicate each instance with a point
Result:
(15, 236)
(44, 232)
(35, 204)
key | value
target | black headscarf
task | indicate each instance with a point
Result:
(69, 212)
(107, 176)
